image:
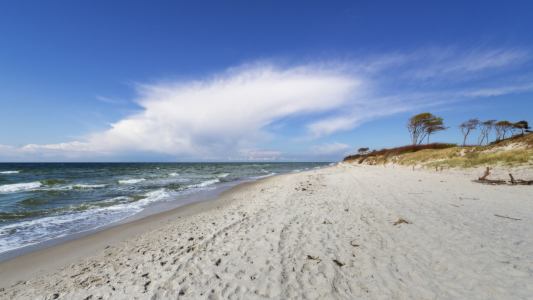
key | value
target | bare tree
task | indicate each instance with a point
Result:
(485, 128)
(468, 126)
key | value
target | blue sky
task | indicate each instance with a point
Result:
(252, 80)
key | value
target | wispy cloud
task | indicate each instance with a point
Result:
(110, 100)
(329, 149)
(221, 115)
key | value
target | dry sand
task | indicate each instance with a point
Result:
(324, 234)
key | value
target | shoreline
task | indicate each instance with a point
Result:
(329, 233)
(14, 248)
(75, 247)
(148, 211)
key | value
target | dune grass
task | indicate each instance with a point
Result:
(451, 156)
(509, 158)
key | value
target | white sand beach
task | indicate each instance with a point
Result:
(322, 234)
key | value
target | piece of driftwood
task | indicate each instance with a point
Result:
(520, 181)
(488, 181)
(484, 177)
(512, 182)
(487, 173)
(400, 221)
(508, 218)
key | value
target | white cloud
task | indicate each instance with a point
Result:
(329, 149)
(224, 114)
(110, 100)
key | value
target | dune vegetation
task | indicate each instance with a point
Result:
(514, 151)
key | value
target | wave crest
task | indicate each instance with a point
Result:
(10, 188)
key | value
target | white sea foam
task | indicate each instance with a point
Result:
(90, 186)
(71, 221)
(173, 174)
(296, 171)
(223, 175)
(206, 183)
(9, 172)
(9, 188)
(152, 196)
(84, 186)
(263, 176)
(119, 199)
(130, 181)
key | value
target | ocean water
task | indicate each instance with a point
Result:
(41, 201)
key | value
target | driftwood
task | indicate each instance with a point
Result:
(520, 181)
(488, 181)
(508, 218)
(512, 182)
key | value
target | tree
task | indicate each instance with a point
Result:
(499, 129)
(417, 126)
(523, 125)
(435, 124)
(514, 128)
(507, 126)
(485, 128)
(468, 126)
(362, 151)
(423, 125)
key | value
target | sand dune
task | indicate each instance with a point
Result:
(323, 234)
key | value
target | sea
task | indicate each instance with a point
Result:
(43, 201)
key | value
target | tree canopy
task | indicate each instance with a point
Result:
(468, 126)
(423, 125)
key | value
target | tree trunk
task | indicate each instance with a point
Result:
(464, 141)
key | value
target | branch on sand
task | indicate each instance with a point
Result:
(400, 221)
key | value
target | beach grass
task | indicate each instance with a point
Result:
(512, 152)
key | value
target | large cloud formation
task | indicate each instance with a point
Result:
(227, 114)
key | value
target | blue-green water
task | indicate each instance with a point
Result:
(41, 201)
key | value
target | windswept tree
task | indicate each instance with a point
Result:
(499, 129)
(362, 151)
(504, 127)
(486, 128)
(434, 125)
(423, 125)
(523, 125)
(515, 128)
(417, 126)
(468, 126)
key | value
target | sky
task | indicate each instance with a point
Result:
(206, 81)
